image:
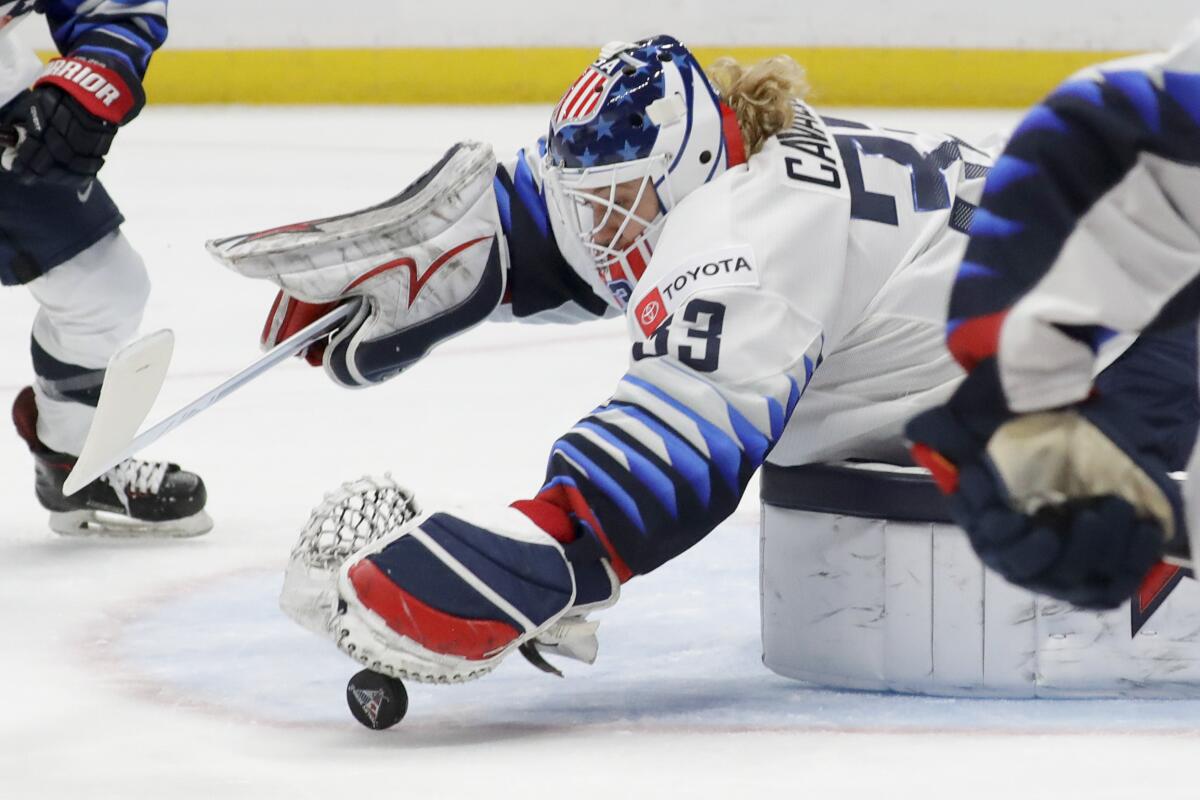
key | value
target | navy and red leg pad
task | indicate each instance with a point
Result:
(459, 589)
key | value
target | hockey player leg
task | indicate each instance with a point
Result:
(1191, 502)
(90, 305)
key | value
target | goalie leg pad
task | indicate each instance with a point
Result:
(446, 600)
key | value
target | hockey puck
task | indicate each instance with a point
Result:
(375, 700)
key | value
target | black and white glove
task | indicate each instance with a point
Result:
(66, 122)
(1071, 503)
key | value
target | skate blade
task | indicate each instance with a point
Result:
(118, 526)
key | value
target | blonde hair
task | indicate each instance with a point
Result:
(761, 95)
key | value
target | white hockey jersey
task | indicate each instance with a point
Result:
(793, 306)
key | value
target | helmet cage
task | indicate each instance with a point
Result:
(644, 114)
(587, 201)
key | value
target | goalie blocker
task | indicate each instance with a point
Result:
(422, 267)
(866, 584)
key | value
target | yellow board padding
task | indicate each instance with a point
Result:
(506, 75)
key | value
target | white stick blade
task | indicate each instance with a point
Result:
(132, 381)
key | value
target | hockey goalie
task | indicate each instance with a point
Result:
(784, 278)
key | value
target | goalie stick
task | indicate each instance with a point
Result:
(132, 382)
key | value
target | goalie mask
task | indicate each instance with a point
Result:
(637, 132)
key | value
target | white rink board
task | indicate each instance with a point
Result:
(1018, 24)
(164, 670)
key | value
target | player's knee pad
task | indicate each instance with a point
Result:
(427, 265)
(92, 303)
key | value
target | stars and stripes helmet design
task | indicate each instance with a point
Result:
(638, 131)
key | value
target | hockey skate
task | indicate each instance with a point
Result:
(137, 499)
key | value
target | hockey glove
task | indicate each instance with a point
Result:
(429, 264)
(288, 316)
(442, 598)
(66, 123)
(1063, 503)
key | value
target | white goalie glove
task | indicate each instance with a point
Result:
(424, 266)
(348, 519)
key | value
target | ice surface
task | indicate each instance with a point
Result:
(165, 670)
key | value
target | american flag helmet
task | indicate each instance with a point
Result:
(638, 131)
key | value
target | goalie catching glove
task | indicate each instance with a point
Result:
(443, 598)
(424, 267)
(1060, 502)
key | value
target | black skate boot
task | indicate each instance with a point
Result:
(135, 498)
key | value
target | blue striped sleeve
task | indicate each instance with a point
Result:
(669, 456)
(120, 32)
